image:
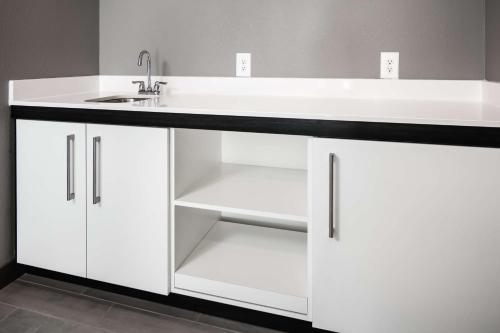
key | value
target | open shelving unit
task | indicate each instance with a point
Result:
(229, 191)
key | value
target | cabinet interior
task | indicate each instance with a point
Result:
(240, 216)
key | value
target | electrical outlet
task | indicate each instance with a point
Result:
(243, 64)
(389, 65)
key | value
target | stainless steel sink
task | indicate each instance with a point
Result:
(117, 99)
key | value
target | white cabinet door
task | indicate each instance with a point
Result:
(416, 246)
(127, 215)
(51, 196)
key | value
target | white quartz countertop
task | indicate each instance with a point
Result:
(391, 110)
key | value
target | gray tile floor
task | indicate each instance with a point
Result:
(34, 304)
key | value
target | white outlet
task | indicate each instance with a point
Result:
(244, 64)
(389, 65)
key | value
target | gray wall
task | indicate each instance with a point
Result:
(46, 38)
(493, 40)
(438, 39)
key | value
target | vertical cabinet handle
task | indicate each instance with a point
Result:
(70, 167)
(331, 198)
(95, 176)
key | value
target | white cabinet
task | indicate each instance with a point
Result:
(416, 246)
(127, 227)
(92, 201)
(51, 196)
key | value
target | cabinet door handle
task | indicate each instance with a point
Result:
(95, 176)
(331, 198)
(70, 167)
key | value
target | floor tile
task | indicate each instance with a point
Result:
(83, 329)
(233, 325)
(129, 320)
(5, 310)
(143, 304)
(24, 321)
(71, 287)
(54, 302)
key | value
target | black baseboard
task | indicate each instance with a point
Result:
(243, 315)
(9, 273)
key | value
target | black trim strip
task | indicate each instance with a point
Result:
(13, 183)
(356, 130)
(9, 273)
(243, 315)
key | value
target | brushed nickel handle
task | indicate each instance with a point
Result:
(95, 182)
(70, 167)
(157, 89)
(331, 217)
(142, 86)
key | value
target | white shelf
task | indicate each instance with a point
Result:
(252, 190)
(257, 265)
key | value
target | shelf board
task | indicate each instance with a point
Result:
(257, 265)
(252, 190)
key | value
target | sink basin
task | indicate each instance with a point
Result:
(117, 99)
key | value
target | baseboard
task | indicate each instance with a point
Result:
(9, 273)
(243, 315)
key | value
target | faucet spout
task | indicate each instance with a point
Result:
(149, 88)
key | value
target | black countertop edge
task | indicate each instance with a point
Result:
(488, 137)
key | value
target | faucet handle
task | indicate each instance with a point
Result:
(142, 85)
(157, 86)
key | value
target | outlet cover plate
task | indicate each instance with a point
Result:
(389, 65)
(244, 64)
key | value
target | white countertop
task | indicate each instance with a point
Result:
(413, 110)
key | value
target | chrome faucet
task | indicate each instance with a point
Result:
(139, 63)
(143, 89)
